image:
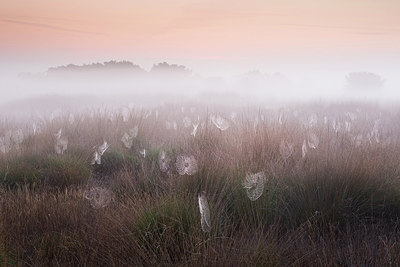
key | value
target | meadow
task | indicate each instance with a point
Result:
(178, 184)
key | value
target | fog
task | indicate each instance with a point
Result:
(30, 87)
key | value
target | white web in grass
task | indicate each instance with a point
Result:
(17, 138)
(186, 165)
(313, 141)
(96, 158)
(358, 140)
(375, 133)
(220, 122)
(347, 126)
(194, 131)
(313, 120)
(204, 213)
(103, 148)
(128, 137)
(61, 145)
(99, 197)
(11, 139)
(58, 134)
(233, 116)
(6, 142)
(36, 128)
(126, 114)
(163, 161)
(280, 119)
(254, 185)
(304, 149)
(71, 118)
(351, 116)
(171, 125)
(98, 152)
(127, 140)
(56, 114)
(285, 149)
(336, 125)
(186, 122)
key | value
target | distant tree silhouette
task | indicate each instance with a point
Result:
(165, 68)
(110, 65)
(121, 64)
(364, 80)
(124, 67)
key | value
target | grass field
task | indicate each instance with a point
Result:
(330, 196)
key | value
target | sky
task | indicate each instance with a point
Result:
(208, 35)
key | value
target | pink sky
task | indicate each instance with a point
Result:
(193, 30)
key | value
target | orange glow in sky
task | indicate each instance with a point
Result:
(207, 29)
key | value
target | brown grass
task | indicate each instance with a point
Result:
(340, 205)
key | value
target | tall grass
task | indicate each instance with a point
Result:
(339, 205)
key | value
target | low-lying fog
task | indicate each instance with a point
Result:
(123, 82)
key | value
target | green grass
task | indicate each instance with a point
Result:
(339, 196)
(172, 221)
(37, 169)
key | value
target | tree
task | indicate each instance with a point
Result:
(165, 68)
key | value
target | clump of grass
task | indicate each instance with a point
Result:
(38, 169)
(115, 160)
(112, 161)
(46, 227)
(339, 195)
(171, 221)
(261, 212)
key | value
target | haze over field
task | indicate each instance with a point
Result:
(204, 133)
(256, 50)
